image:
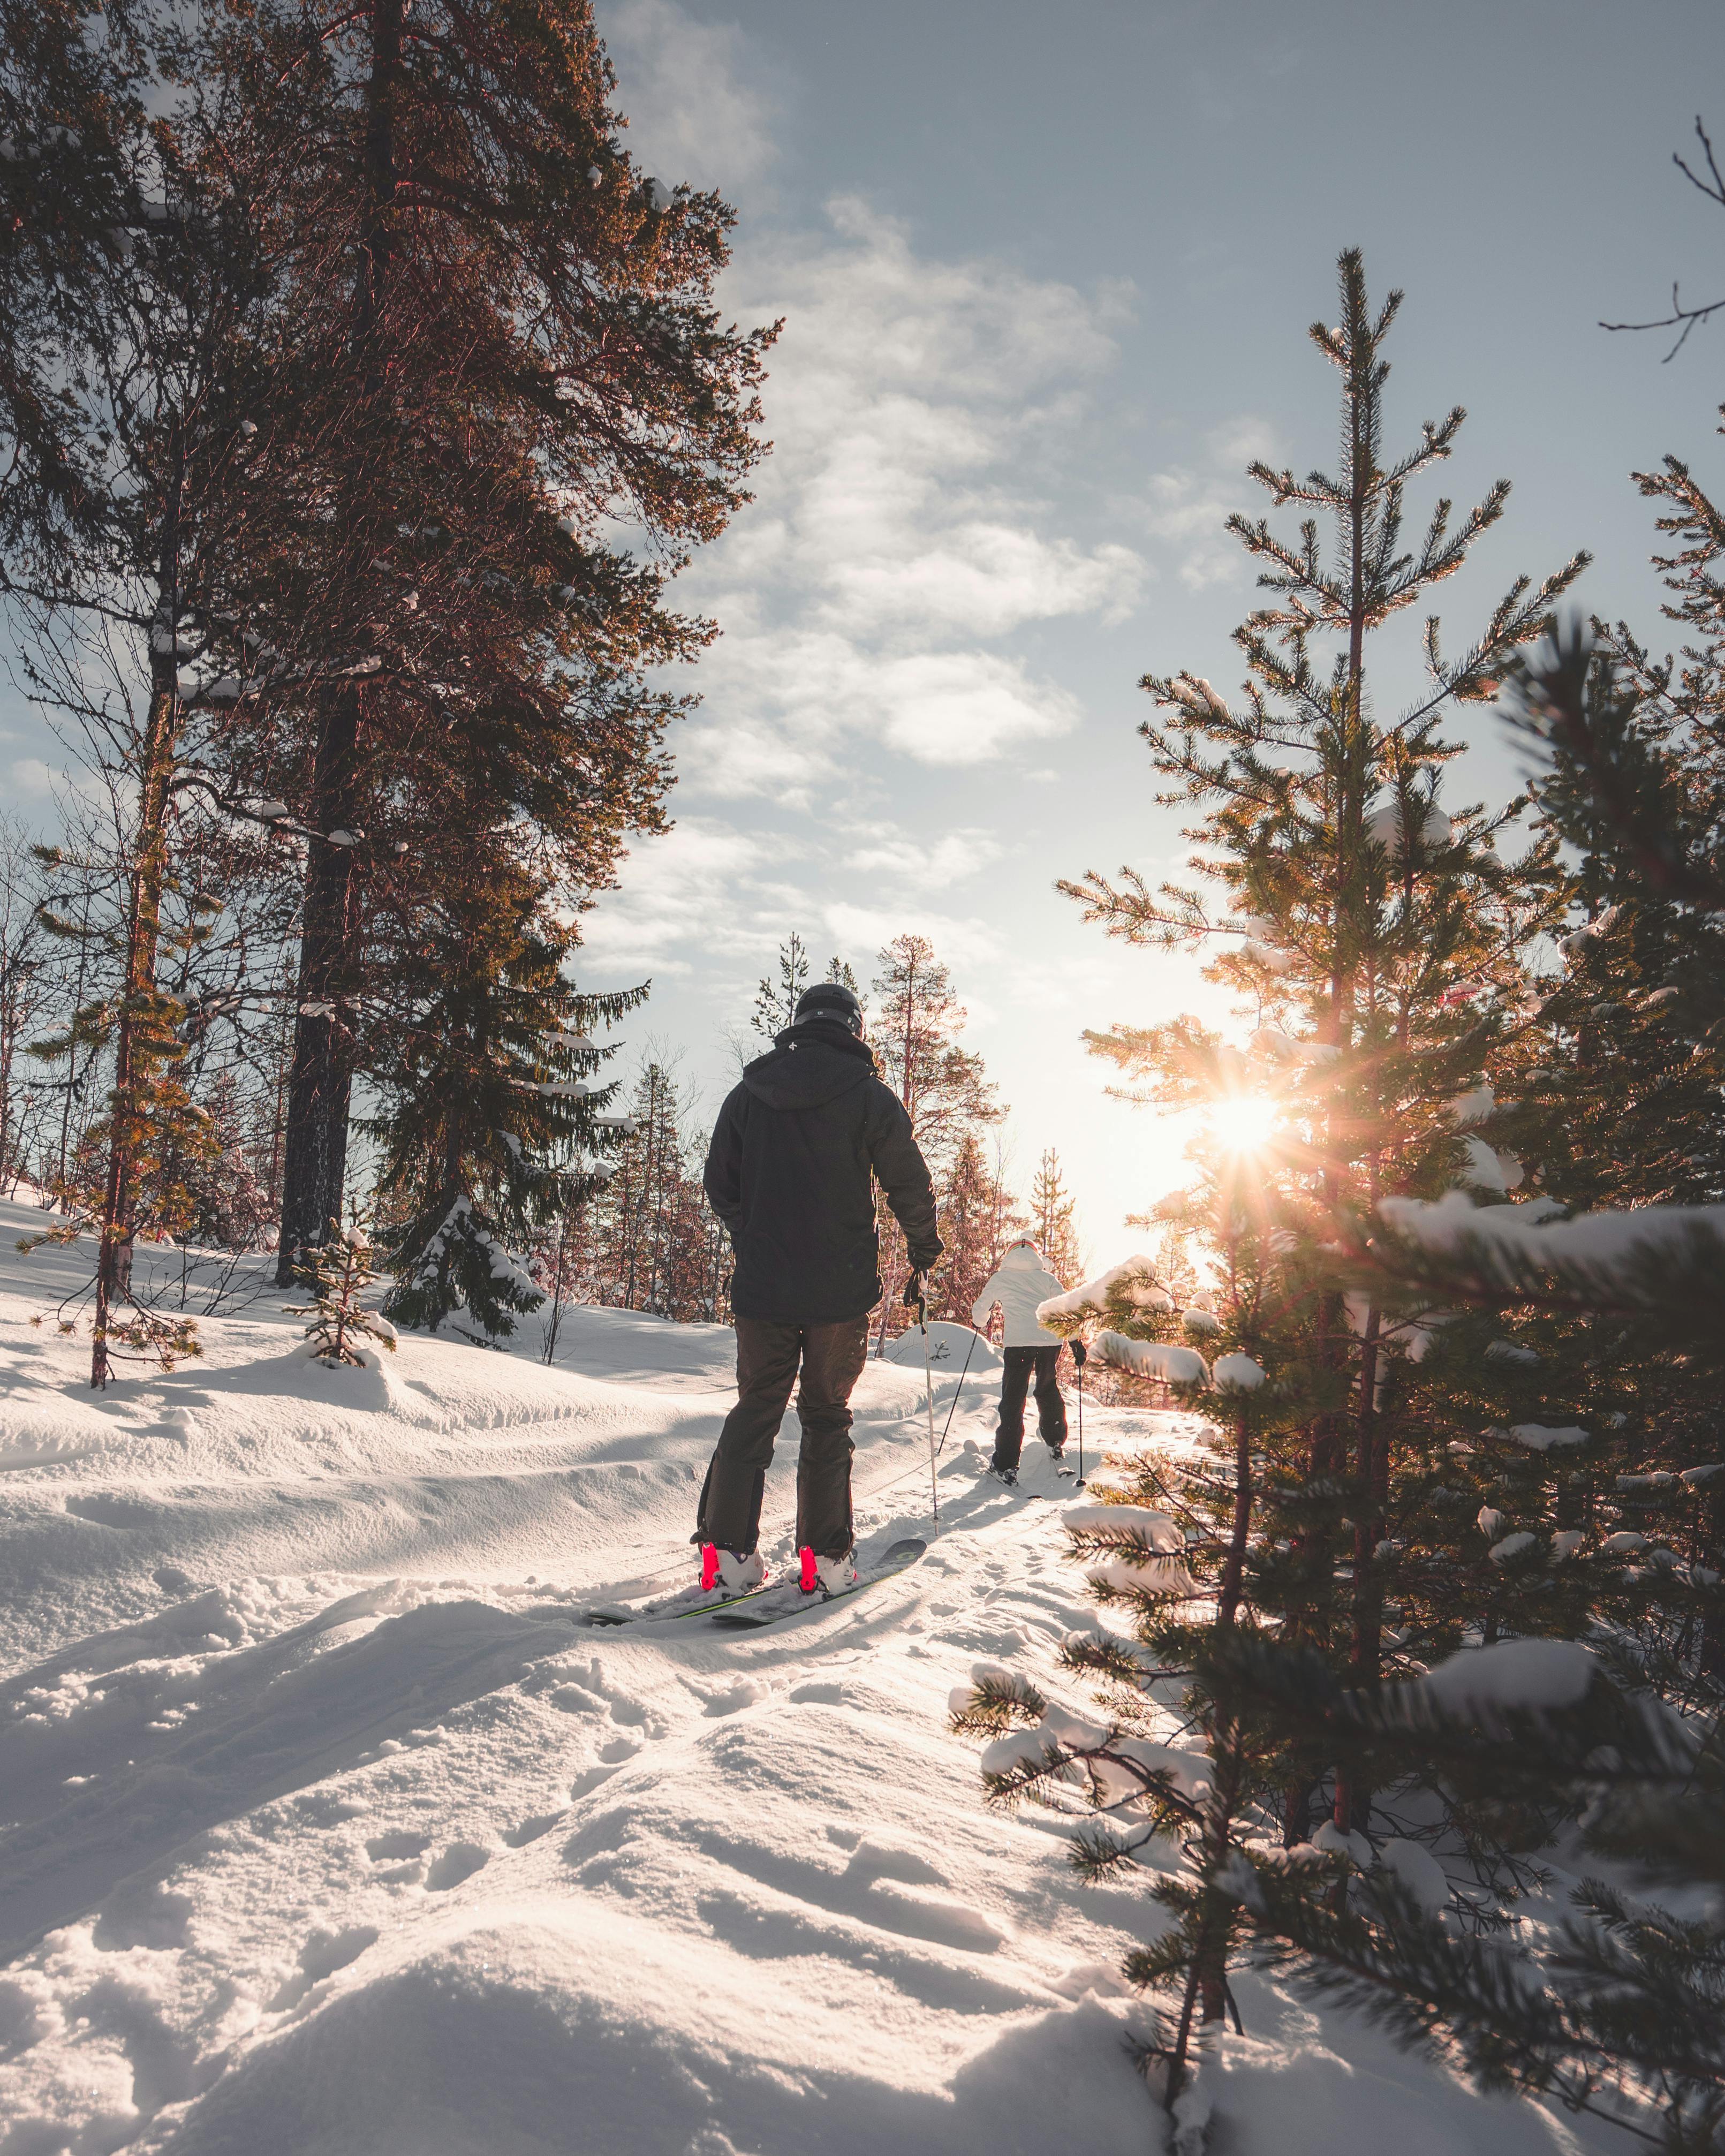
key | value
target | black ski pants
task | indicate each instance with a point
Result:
(831, 1358)
(1050, 1407)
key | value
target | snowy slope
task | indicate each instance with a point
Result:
(330, 1828)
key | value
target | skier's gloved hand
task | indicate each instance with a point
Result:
(923, 1260)
(1080, 1354)
(913, 1291)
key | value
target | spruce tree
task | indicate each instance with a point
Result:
(138, 281)
(340, 1327)
(966, 1198)
(1386, 932)
(1383, 964)
(656, 1244)
(775, 1000)
(492, 1122)
(948, 1096)
(1054, 1220)
(509, 349)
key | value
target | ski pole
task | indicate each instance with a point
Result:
(1080, 1356)
(915, 1299)
(946, 1426)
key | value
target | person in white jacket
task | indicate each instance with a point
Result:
(1023, 1281)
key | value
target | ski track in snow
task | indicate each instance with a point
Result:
(329, 1829)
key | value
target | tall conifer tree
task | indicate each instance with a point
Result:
(915, 1033)
(509, 337)
(1383, 956)
(135, 199)
(492, 1128)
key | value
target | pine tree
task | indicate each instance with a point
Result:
(1054, 1220)
(1007, 1219)
(968, 1202)
(136, 278)
(341, 1270)
(508, 344)
(27, 986)
(1385, 961)
(775, 1001)
(946, 1092)
(491, 1114)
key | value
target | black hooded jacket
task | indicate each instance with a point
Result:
(789, 1173)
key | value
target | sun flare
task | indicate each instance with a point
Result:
(1241, 1122)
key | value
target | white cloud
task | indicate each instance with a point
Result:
(670, 911)
(711, 904)
(861, 931)
(967, 707)
(922, 415)
(913, 864)
(1186, 510)
(34, 779)
(692, 116)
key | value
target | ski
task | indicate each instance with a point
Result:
(606, 1620)
(900, 1557)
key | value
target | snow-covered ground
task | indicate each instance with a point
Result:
(332, 1828)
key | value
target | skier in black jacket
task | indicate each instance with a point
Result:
(790, 1174)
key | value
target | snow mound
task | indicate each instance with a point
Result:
(948, 1344)
(1152, 1358)
(1134, 1277)
(1538, 1438)
(1609, 1244)
(1513, 1673)
(491, 2038)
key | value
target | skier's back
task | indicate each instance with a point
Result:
(1021, 1282)
(790, 1172)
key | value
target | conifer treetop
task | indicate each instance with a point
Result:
(1299, 750)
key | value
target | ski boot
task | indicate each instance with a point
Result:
(826, 1575)
(724, 1573)
(1009, 1476)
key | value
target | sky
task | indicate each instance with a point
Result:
(1045, 275)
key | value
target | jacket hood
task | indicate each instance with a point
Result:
(1024, 1254)
(809, 1065)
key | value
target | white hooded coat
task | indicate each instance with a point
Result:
(1022, 1282)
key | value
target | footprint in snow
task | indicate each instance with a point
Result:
(732, 1700)
(458, 1861)
(570, 1699)
(529, 1830)
(876, 1859)
(618, 1750)
(322, 1954)
(1087, 1979)
(397, 1844)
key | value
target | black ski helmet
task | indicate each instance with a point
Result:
(830, 1000)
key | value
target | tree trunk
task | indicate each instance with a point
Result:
(314, 1151)
(137, 1016)
(314, 1167)
(1228, 1600)
(1207, 1976)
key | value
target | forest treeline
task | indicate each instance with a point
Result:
(360, 400)
(635, 1231)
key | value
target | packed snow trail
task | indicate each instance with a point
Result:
(329, 1831)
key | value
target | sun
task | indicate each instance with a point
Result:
(1241, 1122)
